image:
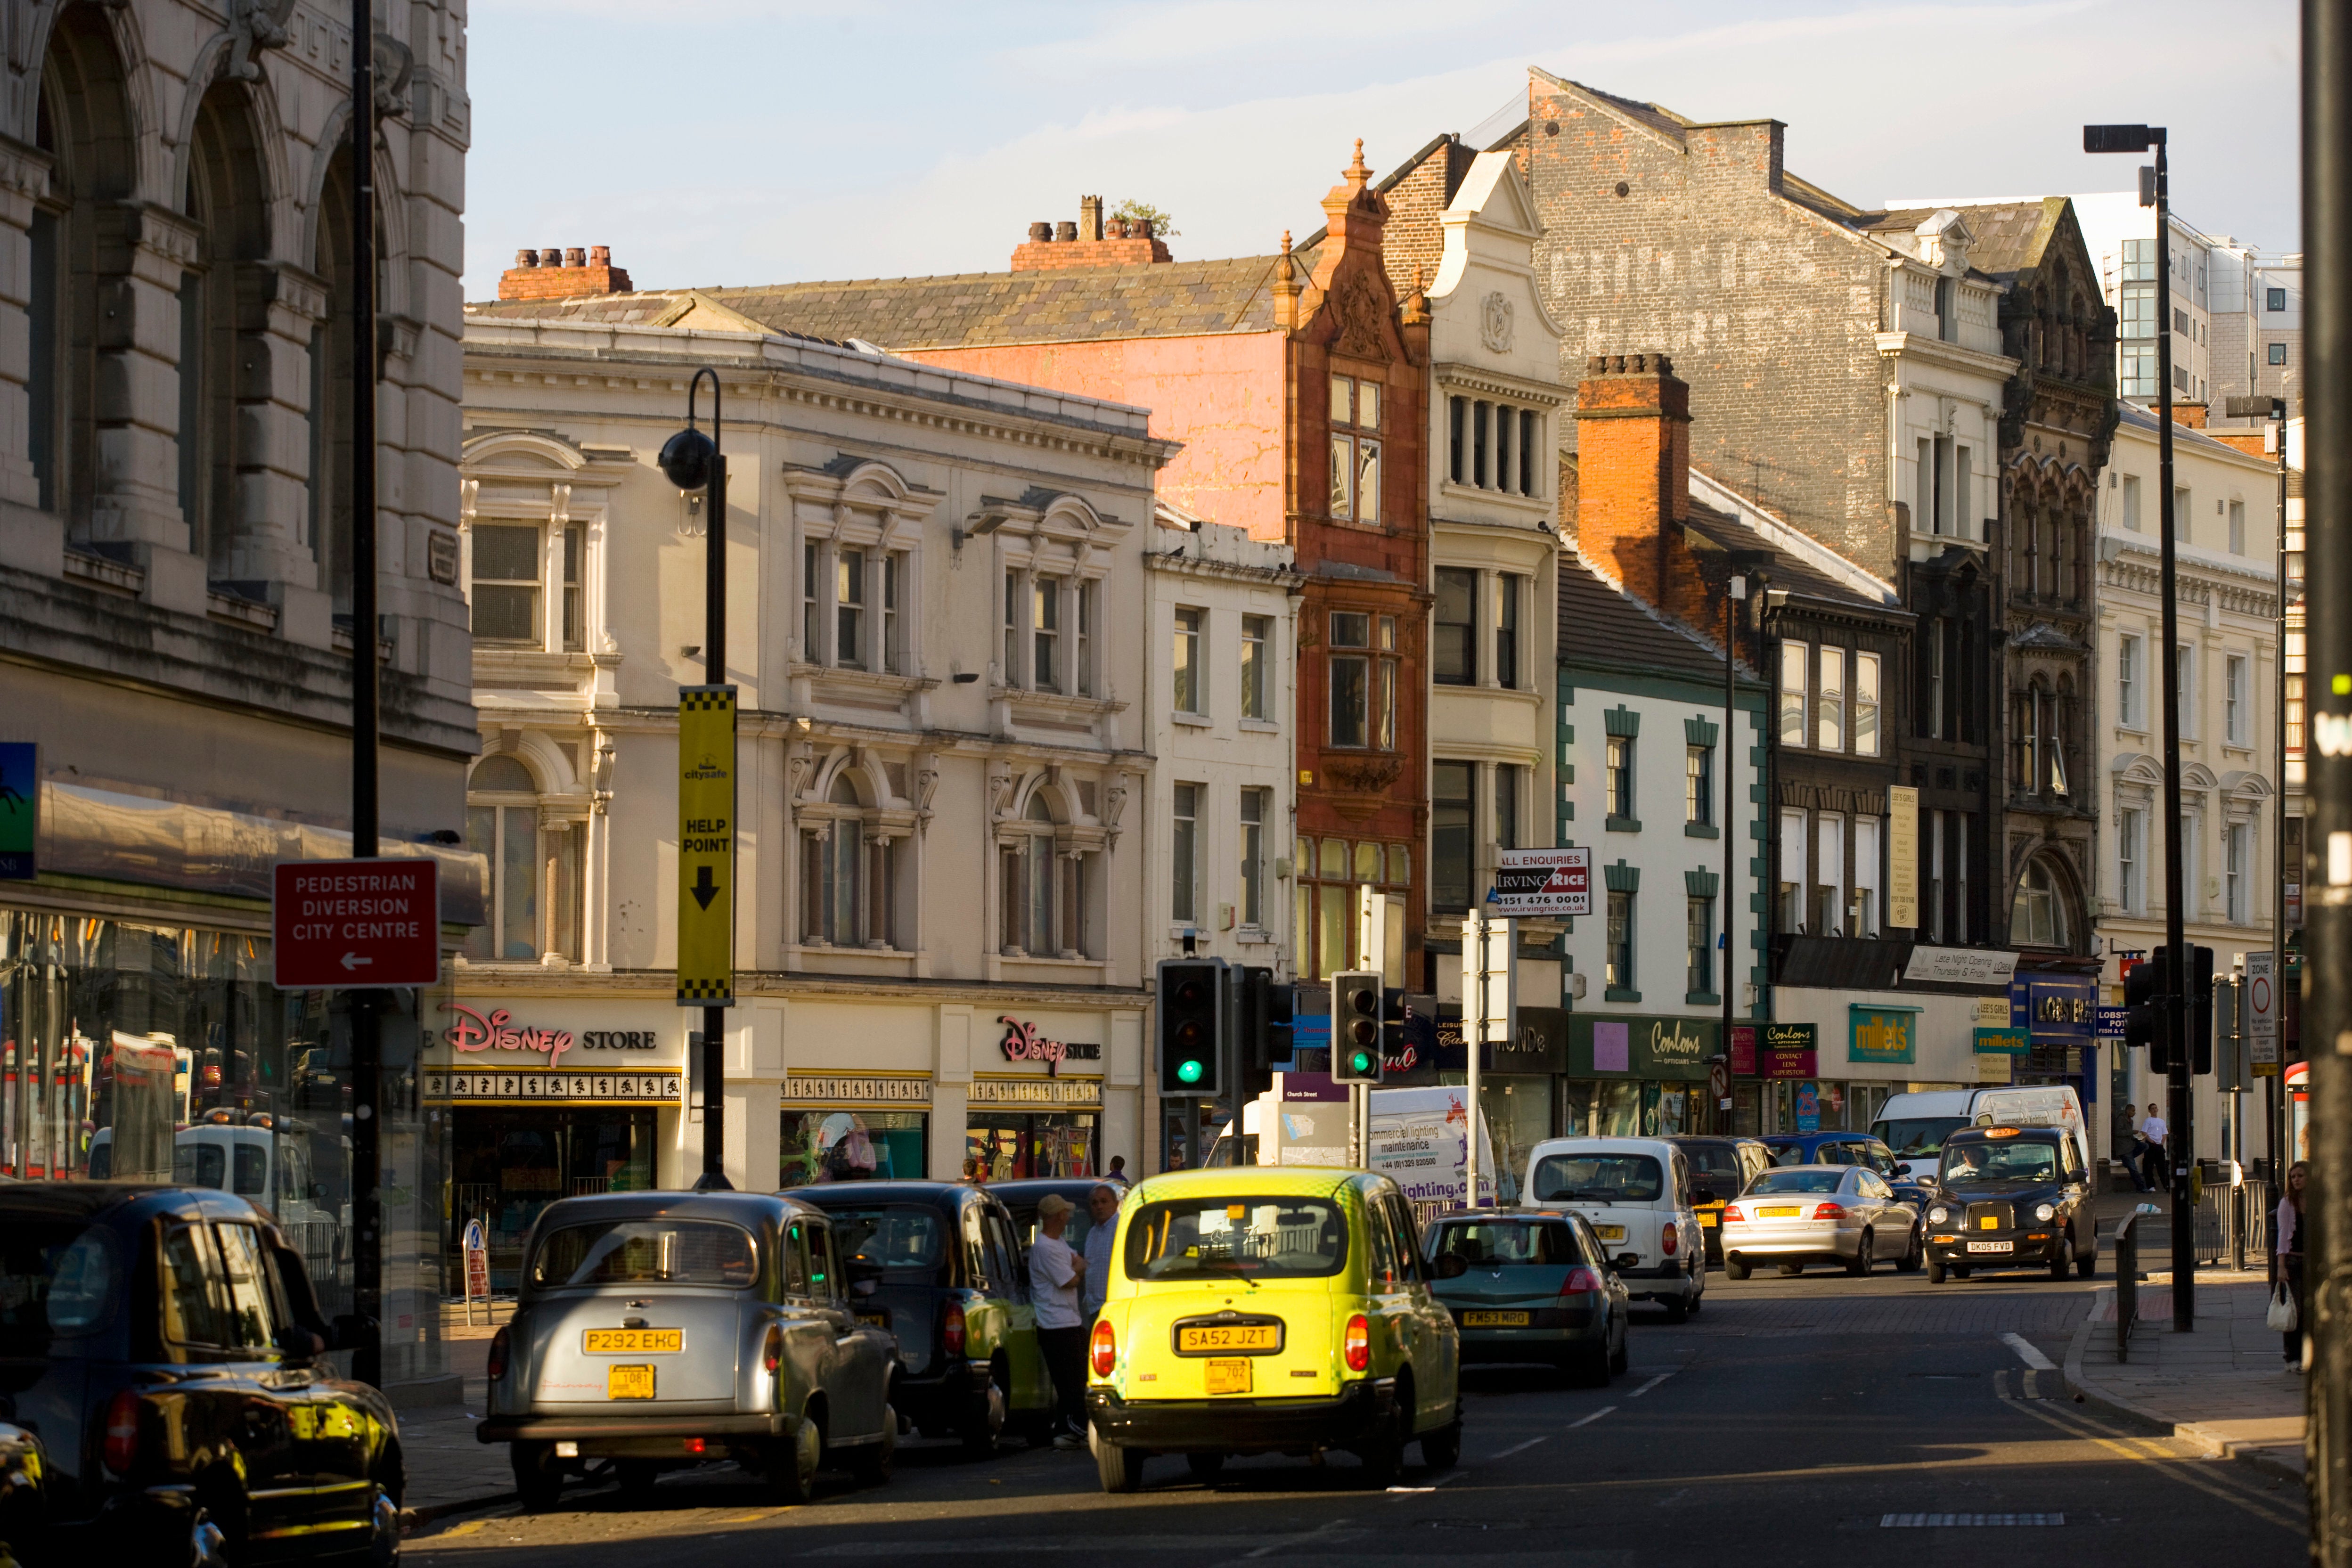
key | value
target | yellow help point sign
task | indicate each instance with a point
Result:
(706, 845)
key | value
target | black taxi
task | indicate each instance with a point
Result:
(2012, 1198)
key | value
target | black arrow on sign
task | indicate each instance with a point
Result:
(704, 888)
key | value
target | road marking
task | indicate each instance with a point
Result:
(1433, 1486)
(1951, 1521)
(2027, 1353)
(748, 1518)
(1319, 1532)
(1518, 1448)
(1589, 1420)
(2147, 1452)
(467, 1528)
(1649, 1385)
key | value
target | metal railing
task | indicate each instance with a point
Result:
(2125, 1247)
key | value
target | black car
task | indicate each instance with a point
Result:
(1721, 1169)
(950, 1282)
(162, 1395)
(2012, 1198)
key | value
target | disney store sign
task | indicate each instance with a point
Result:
(497, 1031)
(1022, 1043)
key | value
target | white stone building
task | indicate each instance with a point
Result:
(937, 609)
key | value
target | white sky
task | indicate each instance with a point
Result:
(738, 142)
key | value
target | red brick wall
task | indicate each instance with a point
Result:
(1051, 255)
(1632, 483)
(535, 279)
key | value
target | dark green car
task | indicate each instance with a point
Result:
(1533, 1288)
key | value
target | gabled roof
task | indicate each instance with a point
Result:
(2007, 238)
(1602, 628)
(1788, 570)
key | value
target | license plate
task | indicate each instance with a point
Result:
(628, 1383)
(1611, 1232)
(1200, 1338)
(1493, 1319)
(1708, 1216)
(875, 1320)
(1783, 1211)
(1992, 1247)
(1989, 1223)
(633, 1341)
(1228, 1376)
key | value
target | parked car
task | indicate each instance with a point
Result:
(1914, 1185)
(1914, 1125)
(2012, 1198)
(1720, 1168)
(1636, 1193)
(162, 1395)
(1796, 1214)
(1533, 1288)
(664, 1329)
(1271, 1310)
(951, 1285)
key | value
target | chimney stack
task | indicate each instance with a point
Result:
(557, 274)
(1090, 218)
(1632, 460)
(1092, 241)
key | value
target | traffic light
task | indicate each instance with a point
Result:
(2200, 1010)
(1266, 1006)
(1356, 1027)
(2144, 993)
(1191, 1028)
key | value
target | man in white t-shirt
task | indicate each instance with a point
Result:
(2154, 1129)
(1055, 1274)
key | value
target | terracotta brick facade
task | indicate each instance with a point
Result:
(559, 274)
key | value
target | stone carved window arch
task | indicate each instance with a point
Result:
(532, 844)
(224, 357)
(856, 861)
(1049, 867)
(2045, 912)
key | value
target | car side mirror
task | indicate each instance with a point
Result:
(1902, 1167)
(1628, 1259)
(1452, 1265)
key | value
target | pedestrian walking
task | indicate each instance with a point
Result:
(1055, 1274)
(2155, 1130)
(2286, 1257)
(1102, 1228)
(1117, 1175)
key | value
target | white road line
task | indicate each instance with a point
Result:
(1433, 1486)
(2027, 1353)
(1589, 1420)
(1518, 1448)
(1649, 1385)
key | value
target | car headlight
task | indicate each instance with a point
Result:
(2043, 1211)
(1938, 1215)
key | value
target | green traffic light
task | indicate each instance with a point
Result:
(1188, 1072)
(1360, 1062)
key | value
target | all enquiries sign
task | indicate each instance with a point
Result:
(1542, 882)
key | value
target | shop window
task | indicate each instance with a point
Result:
(1002, 1147)
(534, 861)
(862, 1145)
(1355, 450)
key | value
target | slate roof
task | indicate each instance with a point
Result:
(2010, 237)
(1787, 569)
(1602, 628)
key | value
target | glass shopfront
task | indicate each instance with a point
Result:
(136, 1051)
(508, 1163)
(1637, 1077)
(1004, 1146)
(859, 1145)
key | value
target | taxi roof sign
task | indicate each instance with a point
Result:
(2000, 1132)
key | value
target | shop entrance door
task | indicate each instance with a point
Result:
(511, 1163)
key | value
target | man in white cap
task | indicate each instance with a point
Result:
(1056, 1272)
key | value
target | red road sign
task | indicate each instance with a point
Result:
(340, 924)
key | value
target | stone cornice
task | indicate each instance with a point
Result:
(1935, 351)
(1499, 384)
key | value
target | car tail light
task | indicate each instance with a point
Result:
(1357, 1344)
(951, 1328)
(1667, 1238)
(122, 1432)
(772, 1354)
(1102, 1352)
(497, 1366)
(1581, 1281)
(1830, 1211)
(1731, 1214)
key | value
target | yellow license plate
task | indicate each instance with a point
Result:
(1707, 1218)
(1611, 1232)
(875, 1320)
(1779, 1211)
(1493, 1319)
(1228, 1376)
(1197, 1339)
(628, 1383)
(633, 1341)
(1988, 1223)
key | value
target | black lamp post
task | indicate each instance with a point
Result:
(2154, 191)
(692, 460)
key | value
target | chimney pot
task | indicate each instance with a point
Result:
(600, 256)
(575, 256)
(1142, 228)
(1090, 218)
(1041, 233)
(551, 257)
(526, 258)
(1065, 231)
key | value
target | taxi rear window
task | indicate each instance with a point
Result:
(1254, 1237)
(1597, 1178)
(646, 1252)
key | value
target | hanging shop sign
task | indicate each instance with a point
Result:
(1788, 1050)
(2003, 1042)
(1959, 966)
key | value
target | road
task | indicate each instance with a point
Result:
(1797, 1421)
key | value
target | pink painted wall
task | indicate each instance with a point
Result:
(1221, 395)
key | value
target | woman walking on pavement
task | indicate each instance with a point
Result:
(2287, 1262)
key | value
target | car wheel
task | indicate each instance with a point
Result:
(2061, 1262)
(792, 1464)
(1586, 1366)
(1736, 1266)
(2087, 1266)
(870, 1462)
(1120, 1466)
(1384, 1455)
(1935, 1271)
(1698, 1298)
(1442, 1449)
(1204, 1467)
(538, 1479)
(1860, 1263)
(984, 1420)
(637, 1477)
(1909, 1262)
(1677, 1309)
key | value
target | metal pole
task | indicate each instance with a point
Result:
(367, 1039)
(714, 673)
(1735, 593)
(2328, 822)
(1480, 931)
(2272, 1138)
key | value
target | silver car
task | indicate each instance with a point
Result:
(664, 1329)
(1796, 1214)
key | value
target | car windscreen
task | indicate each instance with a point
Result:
(1597, 1177)
(1799, 1179)
(1991, 1161)
(1254, 1237)
(1911, 1136)
(1713, 1159)
(646, 1252)
(1504, 1241)
(57, 1279)
(894, 1237)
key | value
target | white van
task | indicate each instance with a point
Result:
(1419, 1140)
(1636, 1193)
(1914, 1125)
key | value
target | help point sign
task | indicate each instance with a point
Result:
(341, 924)
(1542, 882)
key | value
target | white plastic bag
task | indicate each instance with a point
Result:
(2282, 1316)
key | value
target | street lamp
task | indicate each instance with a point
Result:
(692, 460)
(2154, 190)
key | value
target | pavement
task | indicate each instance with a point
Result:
(449, 1473)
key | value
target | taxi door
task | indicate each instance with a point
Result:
(1033, 1387)
(1396, 1320)
(1437, 1356)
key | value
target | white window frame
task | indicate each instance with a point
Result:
(2234, 706)
(1796, 872)
(1795, 712)
(1867, 741)
(1188, 667)
(1829, 700)
(1867, 913)
(2129, 686)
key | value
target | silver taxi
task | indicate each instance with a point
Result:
(663, 1330)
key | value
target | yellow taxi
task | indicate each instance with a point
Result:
(1264, 1311)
